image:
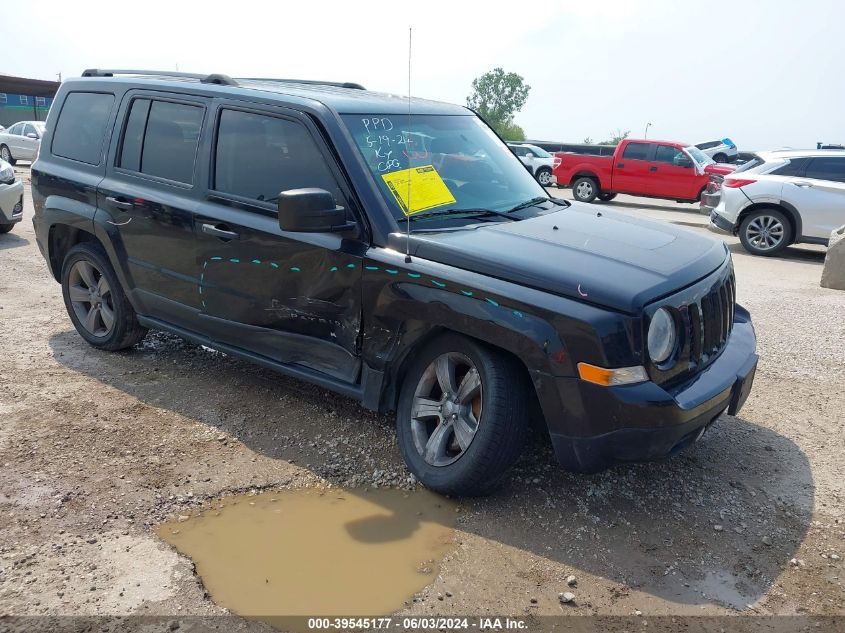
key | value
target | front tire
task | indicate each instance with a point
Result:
(6, 155)
(721, 158)
(765, 232)
(95, 301)
(585, 189)
(544, 176)
(462, 416)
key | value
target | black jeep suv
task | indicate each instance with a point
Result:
(393, 251)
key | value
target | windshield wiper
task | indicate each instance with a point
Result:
(469, 212)
(530, 203)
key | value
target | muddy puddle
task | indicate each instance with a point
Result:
(310, 552)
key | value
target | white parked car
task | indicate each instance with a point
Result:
(11, 198)
(538, 161)
(785, 197)
(723, 151)
(21, 141)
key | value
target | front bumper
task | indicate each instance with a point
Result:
(11, 203)
(607, 425)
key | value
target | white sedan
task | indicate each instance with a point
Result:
(21, 141)
(538, 161)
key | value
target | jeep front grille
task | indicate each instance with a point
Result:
(705, 313)
(709, 321)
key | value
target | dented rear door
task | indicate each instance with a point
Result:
(290, 297)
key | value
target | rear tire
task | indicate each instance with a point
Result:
(95, 301)
(606, 196)
(585, 189)
(544, 176)
(5, 228)
(461, 440)
(6, 155)
(765, 232)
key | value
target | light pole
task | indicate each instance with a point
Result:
(647, 125)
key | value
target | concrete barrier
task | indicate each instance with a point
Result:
(833, 273)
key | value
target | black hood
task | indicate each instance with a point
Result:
(598, 256)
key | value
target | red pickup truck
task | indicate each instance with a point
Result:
(656, 169)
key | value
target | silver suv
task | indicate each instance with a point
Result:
(785, 197)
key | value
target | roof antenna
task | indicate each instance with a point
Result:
(407, 140)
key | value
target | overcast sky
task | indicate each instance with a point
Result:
(765, 73)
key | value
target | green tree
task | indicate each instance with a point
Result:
(510, 131)
(497, 96)
(616, 137)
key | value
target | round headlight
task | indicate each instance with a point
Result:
(661, 336)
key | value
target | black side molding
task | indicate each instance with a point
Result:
(350, 390)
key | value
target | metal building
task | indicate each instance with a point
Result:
(24, 99)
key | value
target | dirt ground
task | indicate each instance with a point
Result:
(98, 448)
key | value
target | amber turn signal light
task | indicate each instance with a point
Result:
(609, 377)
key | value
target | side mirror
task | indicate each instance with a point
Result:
(32, 135)
(311, 210)
(529, 155)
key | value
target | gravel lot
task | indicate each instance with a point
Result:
(97, 448)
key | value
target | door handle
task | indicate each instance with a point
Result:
(652, 168)
(223, 234)
(801, 183)
(621, 165)
(121, 204)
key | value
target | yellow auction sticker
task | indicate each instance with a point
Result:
(424, 186)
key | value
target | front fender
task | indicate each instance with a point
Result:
(404, 303)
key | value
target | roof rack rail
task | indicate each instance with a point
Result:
(310, 82)
(214, 78)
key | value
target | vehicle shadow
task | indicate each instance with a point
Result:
(691, 208)
(10, 240)
(717, 523)
(798, 252)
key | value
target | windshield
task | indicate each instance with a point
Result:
(539, 152)
(699, 157)
(440, 164)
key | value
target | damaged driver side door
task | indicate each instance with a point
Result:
(291, 297)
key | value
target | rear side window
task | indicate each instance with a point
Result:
(792, 167)
(81, 127)
(160, 139)
(636, 151)
(708, 144)
(827, 168)
(258, 156)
